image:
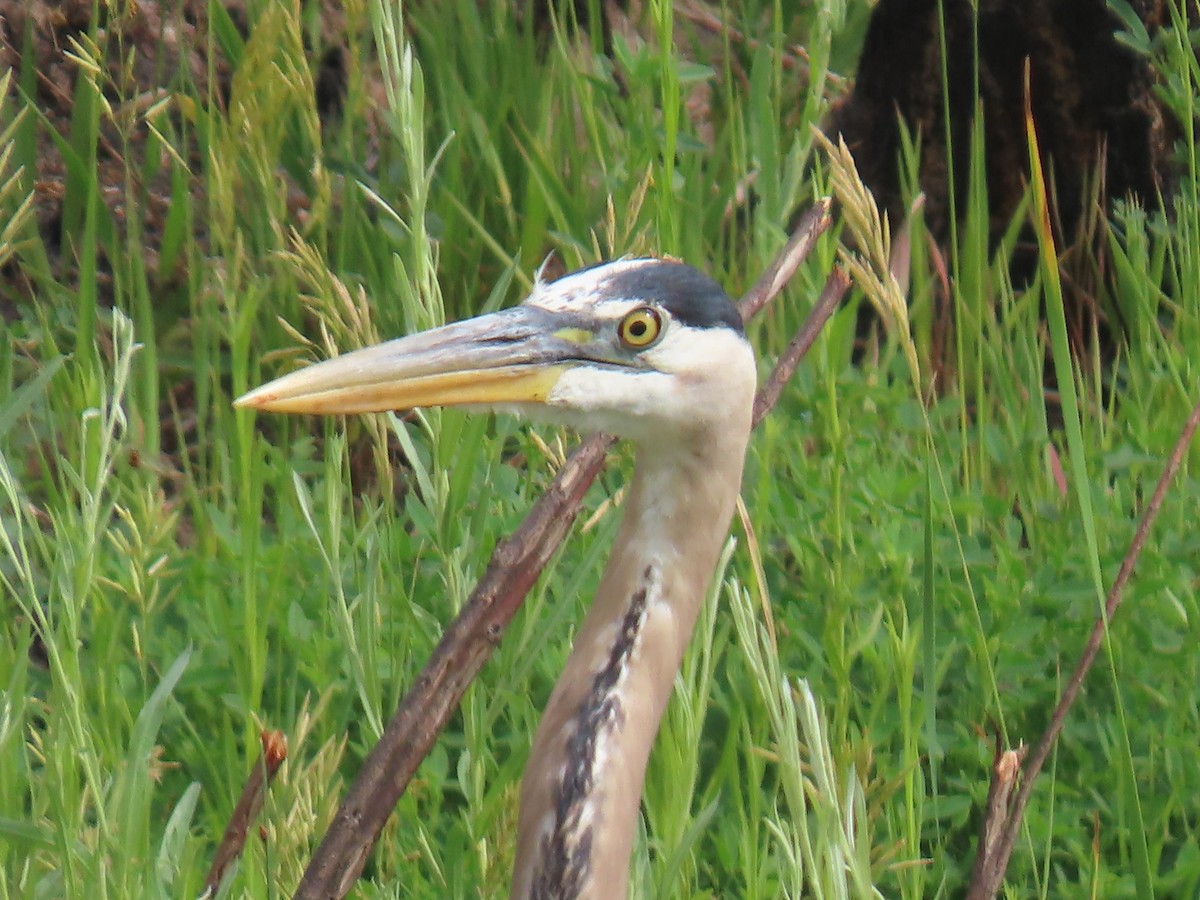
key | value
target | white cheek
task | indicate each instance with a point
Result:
(712, 370)
(620, 402)
(703, 377)
(717, 355)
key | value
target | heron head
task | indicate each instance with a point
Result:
(642, 348)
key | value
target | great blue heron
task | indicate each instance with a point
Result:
(650, 350)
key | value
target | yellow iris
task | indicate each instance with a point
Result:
(640, 328)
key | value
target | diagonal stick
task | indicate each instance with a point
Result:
(1003, 822)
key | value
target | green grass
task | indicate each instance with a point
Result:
(178, 575)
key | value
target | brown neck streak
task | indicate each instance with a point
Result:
(583, 781)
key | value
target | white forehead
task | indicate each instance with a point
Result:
(587, 288)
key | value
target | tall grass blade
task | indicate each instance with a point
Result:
(1066, 377)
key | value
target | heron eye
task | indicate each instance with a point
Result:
(640, 328)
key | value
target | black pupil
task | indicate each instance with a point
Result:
(638, 328)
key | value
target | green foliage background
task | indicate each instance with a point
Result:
(177, 575)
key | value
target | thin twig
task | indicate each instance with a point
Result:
(469, 642)
(993, 858)
(810, 227)
(768, 395)
(794, 58)
(246, 810)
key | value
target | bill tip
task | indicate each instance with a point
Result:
(254, 399)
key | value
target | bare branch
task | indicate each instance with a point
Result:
(992, 857)
(1006, 773)
(469, 642)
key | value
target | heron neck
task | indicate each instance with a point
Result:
(585, 774)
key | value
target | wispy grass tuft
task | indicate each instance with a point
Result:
(17, 206)
(820, 830)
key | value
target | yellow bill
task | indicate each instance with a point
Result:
(510, 357)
